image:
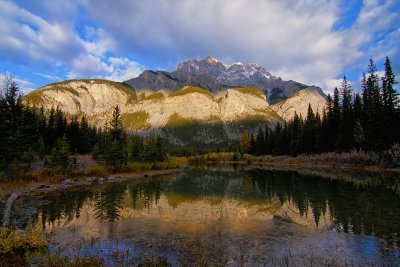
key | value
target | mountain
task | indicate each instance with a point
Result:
(187, 116)
(298, 103)
(203, 102)
(215, 76)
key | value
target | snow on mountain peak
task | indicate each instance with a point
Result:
(211, 60)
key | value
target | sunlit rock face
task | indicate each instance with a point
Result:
(309, 218)
(191, 106)
(299, 102)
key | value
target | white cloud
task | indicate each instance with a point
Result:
(49, 76)
(25, 86)
(29, 37)
(113, 68)
(330, 85)
(26, 36)
(293, 39)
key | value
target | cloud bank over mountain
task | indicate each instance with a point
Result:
(314, 43)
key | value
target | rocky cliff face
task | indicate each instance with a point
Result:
(189, 115)
(298, 103)
(215, 76)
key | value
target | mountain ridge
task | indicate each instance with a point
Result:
(215, 76)
(207, 111)
(187, 116)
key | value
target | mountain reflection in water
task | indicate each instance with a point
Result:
(226, 208)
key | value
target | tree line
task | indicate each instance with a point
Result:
(369, 121)
(115, 148)
(31, 133)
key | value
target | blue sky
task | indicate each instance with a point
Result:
(315, 42)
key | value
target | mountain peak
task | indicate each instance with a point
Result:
(211, 60)
(214, 75)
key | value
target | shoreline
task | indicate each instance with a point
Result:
(85, 181)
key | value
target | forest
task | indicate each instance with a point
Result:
(368, 121)
(29, 134)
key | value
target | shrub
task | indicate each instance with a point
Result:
(17, 243)
(392, 156)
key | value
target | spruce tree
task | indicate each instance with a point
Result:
(344, 140)
(245, 142)
(259, 142)
(61, 158)
(390, 133)
(296, 136)
(309, 131)
(115, 124)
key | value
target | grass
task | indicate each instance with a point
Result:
(269, 113)
(137, 120)
(214, 118)
(158, 96)
(191, 89)
(251, 91)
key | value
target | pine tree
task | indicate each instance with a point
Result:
(276, 140)
(309, 131)
(61, 157)
(116, 129)
(372, 108)
(260, 142)
(296, 143)
(390, 100)
(346, 125)
(136, 148)
(245, 142)
(85, 142)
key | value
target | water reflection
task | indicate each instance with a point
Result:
(241, 200)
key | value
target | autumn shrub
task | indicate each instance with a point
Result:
(14, 242)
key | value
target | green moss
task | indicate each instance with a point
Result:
(136, 121)
(155, 97)
(250, 90)
(214, 118)
(34, 98)
(269, 113)
(191, 89)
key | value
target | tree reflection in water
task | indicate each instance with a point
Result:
(355, 207)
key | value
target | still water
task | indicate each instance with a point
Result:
(230, 215)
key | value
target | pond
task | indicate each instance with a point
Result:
(229, 215)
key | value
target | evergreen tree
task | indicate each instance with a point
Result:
(296, 143)
(259, 142)
(245, 142)
(344, 140)
(116, 129)
(136, 148)
(309, 131)
(85, 142)
(276, 140)
(267, 147)
(61, 157)
(389, 113)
